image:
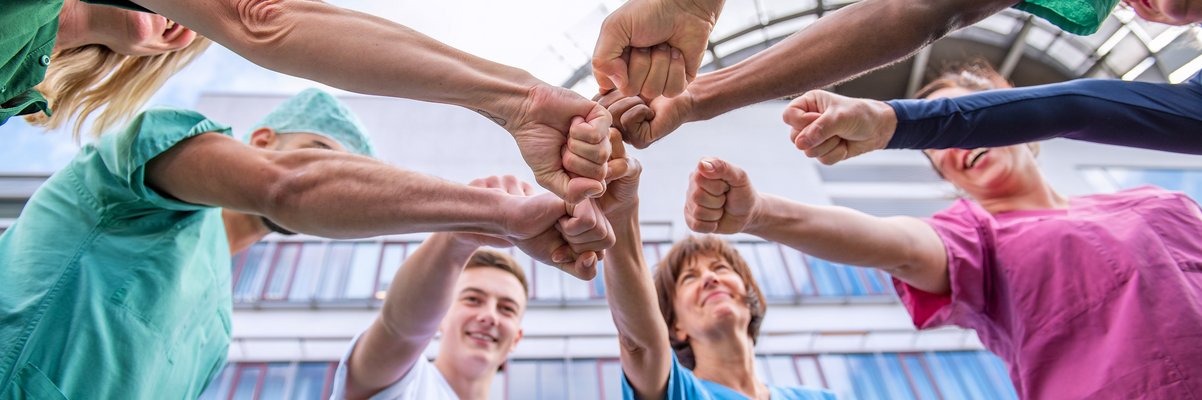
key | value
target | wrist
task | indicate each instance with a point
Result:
(503, 96)
(888, 121)
(759, 217)
(455, 244)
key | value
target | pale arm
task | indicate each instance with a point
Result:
(907, 248)
(328, 193)
(372, 55)
(421, 292)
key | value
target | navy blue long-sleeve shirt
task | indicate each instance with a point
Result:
(1158, 116)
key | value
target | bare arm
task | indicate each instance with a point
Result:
(853, 40)
(368, 54)
(722, 200)
(905, 247)
(325, 193)
(642, 335)
(421, 292)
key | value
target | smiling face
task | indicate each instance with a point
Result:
(705, 288)
(483, 324)
(986, 173)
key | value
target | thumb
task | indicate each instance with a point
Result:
(714, 168)
(818, 131)
(609, 68)
(580, 189)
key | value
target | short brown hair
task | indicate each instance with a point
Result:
(665, 286)
(484, 258)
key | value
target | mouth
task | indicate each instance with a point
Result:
(973, 157)
(713, 295)
(482, 337)
(172, 30)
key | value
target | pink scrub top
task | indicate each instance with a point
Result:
(1102, 300)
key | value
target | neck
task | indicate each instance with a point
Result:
(468, 385)
(1040, 197)
(242, 230)
(72, 26)
(728, 360)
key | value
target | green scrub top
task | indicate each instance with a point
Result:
(1079, 17)
(27, 32)
(108, 289)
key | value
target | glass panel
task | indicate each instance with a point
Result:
(497, 389)
(310, 381)
(779, 283)
(803, 282)
(248, 281)
(277, 377)
(599, 282)
(895, 382)
(838, 377)
(611, 379)
(875, 285)
(547, 285)
(527, 264)
(762, 371)
(651, 254)
(866, 377)
(575, 289)
(307, 271)
(394, 255)
(949, 385)
(281, 270)
(920, 379)
(997, 371)
(552, 380)
(825, 277)
(248, 379)
(783, 374)
(338, 259)
(810, 373)
(851, 280)
(969, 371)
(362, 279)
(582, 375)
(219, 388)
(522, 380)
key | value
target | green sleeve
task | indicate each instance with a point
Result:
(125, 153)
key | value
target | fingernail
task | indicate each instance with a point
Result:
(676, 54)
(594, 192)
(619, 83)
(559, 258)
(707, 166)
(643, 49)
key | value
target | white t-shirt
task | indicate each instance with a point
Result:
(422, 382)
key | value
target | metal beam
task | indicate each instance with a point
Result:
(917, 70)
(1015, 53)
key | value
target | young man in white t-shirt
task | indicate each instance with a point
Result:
(474, 297)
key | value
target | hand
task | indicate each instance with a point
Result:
(643, 124)
(682, 27)
(532, 227)
(621, 196)
(833, 128)
(562, 136)
(720, 198)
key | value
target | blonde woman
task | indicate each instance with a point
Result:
(91, 57)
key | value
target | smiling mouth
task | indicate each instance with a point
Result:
(711, 296)
(481, 336)
(974, 157)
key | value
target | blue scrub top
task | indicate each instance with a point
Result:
(683, 385)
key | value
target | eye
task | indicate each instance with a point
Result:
(509, 310)
(721, 267)
(473, 300)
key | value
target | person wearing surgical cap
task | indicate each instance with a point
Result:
(115, 279)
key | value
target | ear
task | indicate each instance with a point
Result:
(679, 333)
(263, 138)
(516, 339)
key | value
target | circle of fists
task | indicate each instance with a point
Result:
(833, 128)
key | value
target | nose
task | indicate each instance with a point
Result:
(487, 317)
(708, 279)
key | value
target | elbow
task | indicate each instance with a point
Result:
(284, 184)
(260, 26)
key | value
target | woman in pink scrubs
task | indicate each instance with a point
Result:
(1091, 297)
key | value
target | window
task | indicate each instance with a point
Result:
(1110, 179)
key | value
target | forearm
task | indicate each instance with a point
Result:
(1135, 114)
(420, 294)
(352, 51)
(904, 247)
(853, 40)
(642, 334)
(344, 196)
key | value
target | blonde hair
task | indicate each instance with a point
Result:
(79, 81)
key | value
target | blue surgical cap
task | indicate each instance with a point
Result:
(317, 112)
